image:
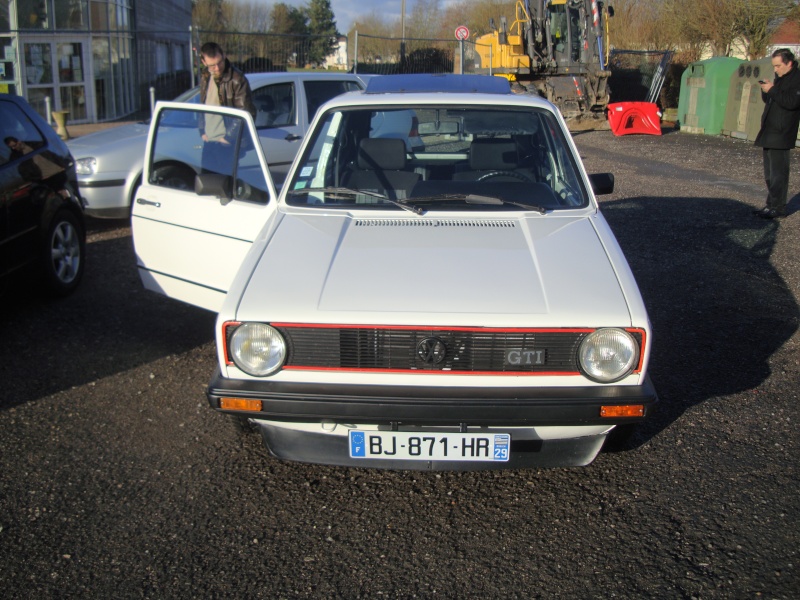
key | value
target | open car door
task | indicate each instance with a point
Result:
(201, 203)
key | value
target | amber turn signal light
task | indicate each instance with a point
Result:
(628, 410)
(239, 404)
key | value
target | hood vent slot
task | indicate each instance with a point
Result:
(482, 223)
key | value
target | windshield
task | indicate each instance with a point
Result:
(438, 157)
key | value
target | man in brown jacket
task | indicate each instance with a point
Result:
(778, 134)
(221, 84)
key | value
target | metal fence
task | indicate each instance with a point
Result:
(642, 76)
(168, 62)
(635, 74)
(266, 52)
(388, 56)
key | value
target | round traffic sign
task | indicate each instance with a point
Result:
(462, 32)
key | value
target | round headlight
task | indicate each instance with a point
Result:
(608, 355)
(257, 349)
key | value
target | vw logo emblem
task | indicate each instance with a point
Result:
(431, 351)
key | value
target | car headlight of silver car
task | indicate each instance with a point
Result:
(86, 166)
(608, 355)
(257, 349)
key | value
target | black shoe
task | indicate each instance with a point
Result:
(761, 211)
(772, 213)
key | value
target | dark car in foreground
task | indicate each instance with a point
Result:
(42, 227)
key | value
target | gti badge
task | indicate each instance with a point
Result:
(431, 351)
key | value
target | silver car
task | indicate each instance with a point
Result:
(109, 162)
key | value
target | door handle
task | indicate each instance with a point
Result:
(293, 137)
(150, 202)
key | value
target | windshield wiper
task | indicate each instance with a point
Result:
(473, 199)
(342, 191)
(411, 204)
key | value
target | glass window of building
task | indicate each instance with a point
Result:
(5, 16)
(71, 14)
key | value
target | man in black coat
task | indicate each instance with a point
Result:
(778, 133)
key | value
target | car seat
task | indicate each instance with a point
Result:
(381, 167)
(266, 111)
(491, 155)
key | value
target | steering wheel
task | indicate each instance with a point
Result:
(512, 174)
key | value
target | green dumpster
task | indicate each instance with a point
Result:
(743, 113)
(704, 94)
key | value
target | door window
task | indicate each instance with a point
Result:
(180, 154)
(15, 125)
(319, 92)
(275, 105)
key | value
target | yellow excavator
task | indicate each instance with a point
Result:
(556, 49)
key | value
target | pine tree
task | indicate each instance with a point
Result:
(323, 26)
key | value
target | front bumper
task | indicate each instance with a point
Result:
(105, 199)
(466, 408)
(515, 406)
(322, 448)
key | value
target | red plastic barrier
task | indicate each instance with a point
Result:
(634, 117)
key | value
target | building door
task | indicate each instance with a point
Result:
(58, 69)
(9, 68)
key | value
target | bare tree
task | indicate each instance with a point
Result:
(759, 20)
(424, 21)
(249, 16)
(246, 17)
(373, 47)
(209, 15)
(639, 25)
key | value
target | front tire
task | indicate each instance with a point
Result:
(63, 255)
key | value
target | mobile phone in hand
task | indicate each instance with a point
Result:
(761, 81)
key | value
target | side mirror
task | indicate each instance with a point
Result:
(214, 184)
(602, 183)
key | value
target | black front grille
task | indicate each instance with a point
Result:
(465, 350)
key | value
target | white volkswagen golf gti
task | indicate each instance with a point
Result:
(455, 301)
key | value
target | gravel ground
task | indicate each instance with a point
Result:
(118, 481)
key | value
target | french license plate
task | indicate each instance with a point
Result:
(405, 445)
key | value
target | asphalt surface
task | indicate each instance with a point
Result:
(118, 481)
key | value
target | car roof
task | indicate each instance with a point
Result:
(45, 127)
(443, 83)
(466, 93)
(264, 78)
(15, 99)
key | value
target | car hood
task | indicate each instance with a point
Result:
(109, 140)
(538, 271)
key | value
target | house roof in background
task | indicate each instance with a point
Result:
(788, 33)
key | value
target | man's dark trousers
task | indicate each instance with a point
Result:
(776, 174)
